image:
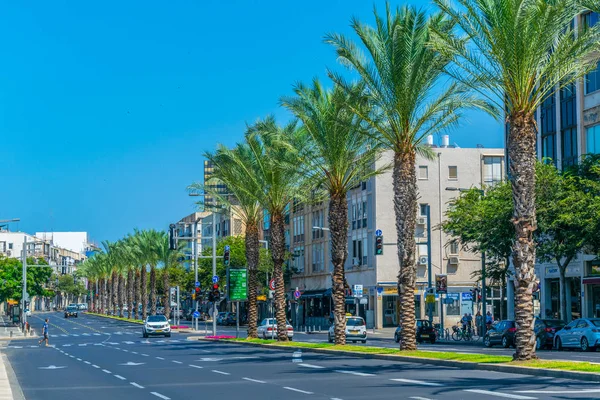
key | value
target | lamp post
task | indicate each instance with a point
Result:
(483, 277)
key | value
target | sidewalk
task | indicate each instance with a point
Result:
(5, 390)
(9, 331)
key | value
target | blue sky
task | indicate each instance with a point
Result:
(106, 108)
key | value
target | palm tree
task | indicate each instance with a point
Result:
(168, 258)
(520, 53)
(338, 157)
(233, 168)
(403, 77)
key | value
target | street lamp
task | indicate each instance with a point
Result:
(483, 286)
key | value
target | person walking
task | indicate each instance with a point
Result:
(470, 323)
(45, 333)
(479, 323)
(489, 320)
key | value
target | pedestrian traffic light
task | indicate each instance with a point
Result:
(216, 295)
(172, 239)
(226, 255)
(378, 245)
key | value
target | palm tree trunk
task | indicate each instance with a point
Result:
(109, 287)
(121, 293)
(130, 285)
(522, 159)
(252, 258)
(167, 290)
(91, 300)
(278, 251)
(137, 296)
(144, 284)
(152, 290)
(115, 292)
(405, 208)
(338, 225)
(101, 295)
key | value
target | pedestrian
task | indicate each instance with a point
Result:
(45, 333)
(489, 320)
(470, 322)
(479, 323)
(464, 321)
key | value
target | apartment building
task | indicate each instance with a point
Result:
(370, 208)
(228, 223)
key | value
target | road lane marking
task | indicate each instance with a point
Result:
(160, 395)
(79, 359)
(95, 366)
(177, 362)
(145, 355)
(196, 366)
(136, 385)
(120, 377)
(419, 398)
(216, 371)
(498, 394)
(582, 391)
(159, 358)
(311, 366)
(413, 381)
(107, 371)
(134, 352)
(297, 390)
(128, 342)
(352, 373)
(253, 380)
(87, 362)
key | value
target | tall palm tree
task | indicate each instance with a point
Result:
(519, 53)
(233, 168)
(403, 83)
(339, 155)
(168, 259)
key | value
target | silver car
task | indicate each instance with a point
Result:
(583, 333)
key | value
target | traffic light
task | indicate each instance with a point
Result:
(193, 296)
(172, 239)
(216, 295)
(378, 245)
(226, 255)
(197, 290)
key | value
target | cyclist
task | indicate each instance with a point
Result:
(464, 321)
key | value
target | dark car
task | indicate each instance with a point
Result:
(425, 332)
(71, 311)
(545, 329)
(221, 318)
(502, 332)
(229, 319)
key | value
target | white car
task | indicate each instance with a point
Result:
(28, 312)
(356, 330)
(268, 329)
(156, 325)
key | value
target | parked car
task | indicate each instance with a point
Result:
(156, 325)
(229, 319)
(221, 317)
(160, 310)
(356, 329)
(28, 312)
(268, 329)
(71, 311)
(502, 332)
(82, 307)
(545, 330)
(582, 333)
(425, 332)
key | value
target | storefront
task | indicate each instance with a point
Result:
(591, 283)
(391, 306)
(549, 296)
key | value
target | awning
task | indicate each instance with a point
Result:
(591, 281)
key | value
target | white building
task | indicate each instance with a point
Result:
(370, 207)
(74, 241)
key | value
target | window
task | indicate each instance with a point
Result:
(423, 210)
(423, 172)
(454, 307)
(592, 80)
(582, 324)
(298, 261)
(548, 127)
(359, 214)
(357, 252)
(10, 246)
(568, 126)
(453, 172)
(593, 139)
(298, 228)
(588, 20)
(318, 221)
(492, 170)
(318, 257)
(364, 216)
(454, 248)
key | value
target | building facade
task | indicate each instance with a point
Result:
(370, 208)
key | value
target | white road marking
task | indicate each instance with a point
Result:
(87, 362)
(159, 358)
(128, 342)
(311, 366)
(418, 398)
(413, 381)
(297, 390)
(96, 334)
(72, 356)
(107, 371)
(66, 345)
(136, 385)
(498, 394)
(79, 359)
(177, 362)
(353, 373)
(82, 344)
(145, 355)
(129, 363)
(253, 380)
(196, 366)
(63, 335)
(216, 371)
(85, 334)
(74, 334)
(120, 377)
(95, 366)
(160, 395)
(559, 391)
(126, 351)
(135, 352)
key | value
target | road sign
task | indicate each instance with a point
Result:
(197, 284)
(358, 290)
(196, 314)
(215, 279)
(272, 284)
(227, 247)
(238, 284)
(378, 232)
(297, 294)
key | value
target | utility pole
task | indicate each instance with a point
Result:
(429, 280)
(214, 265)
(196, 264)
(24, 292)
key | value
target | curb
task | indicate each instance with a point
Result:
(510, 369)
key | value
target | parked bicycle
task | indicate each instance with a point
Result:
(463, 334)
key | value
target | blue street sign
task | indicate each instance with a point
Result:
(297, 294)
(196, 314)
(215, 279)
(380, 290)
(378, 232)
(197, 284)
(227, 247)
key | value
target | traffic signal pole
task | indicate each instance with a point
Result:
(214, 265)
(429, 281)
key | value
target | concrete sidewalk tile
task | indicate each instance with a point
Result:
(5, 390)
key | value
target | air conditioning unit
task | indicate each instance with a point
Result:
(8, 253)
(422, 221)
(423, 260)
(454, 260)
(355, 262)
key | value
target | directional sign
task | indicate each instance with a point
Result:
(297, 294)
(238, 284)
(358, 290)
(215, 279)
(378, 232)
(197, 284)
(196, 314)
(272, 284)
(51, 367)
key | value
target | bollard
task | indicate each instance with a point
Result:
(11, 333)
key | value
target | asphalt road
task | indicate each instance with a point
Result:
(99, 358)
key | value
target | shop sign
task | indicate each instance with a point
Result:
(571, 271)
(467, 296)
(390, 290)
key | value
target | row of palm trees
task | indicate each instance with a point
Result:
(118, 276)
(418, 72)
